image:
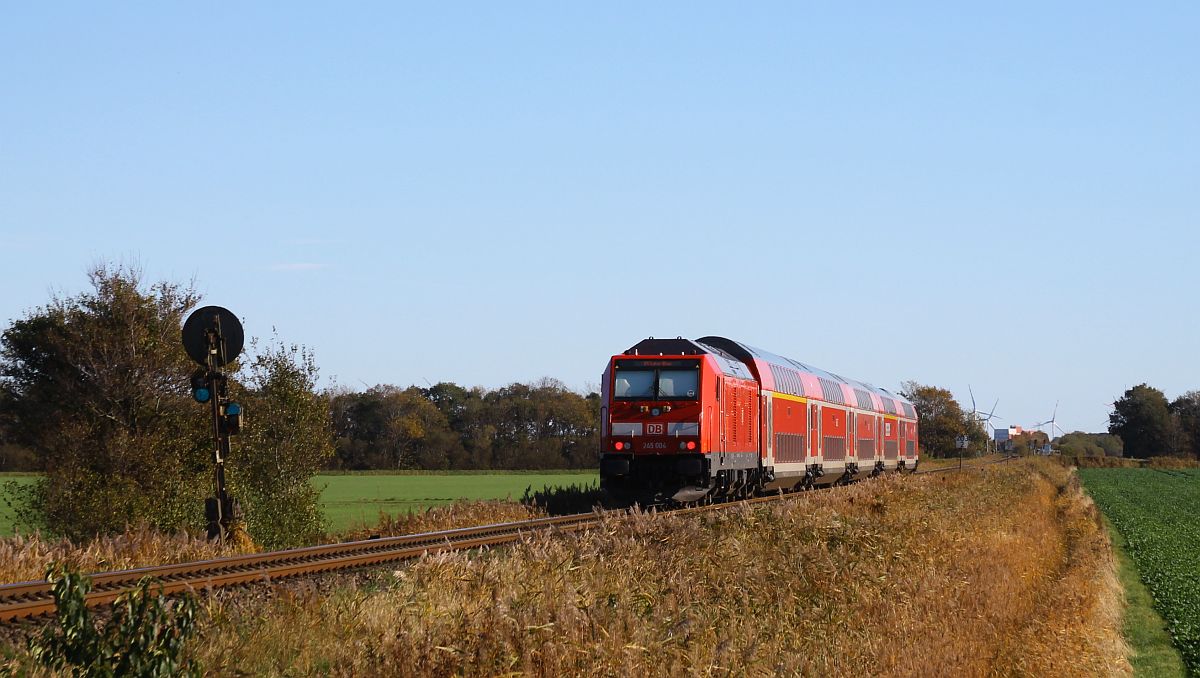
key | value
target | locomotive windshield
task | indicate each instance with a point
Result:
(635, 384)
(656, 380)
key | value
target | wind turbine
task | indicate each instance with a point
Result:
(1053, 421)
(978, 418)
(990, 428)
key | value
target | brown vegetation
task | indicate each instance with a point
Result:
(1000, 571)
(1099, 462)
(463, 513)
(1173, 462)
(26, 557)
(1127, 462)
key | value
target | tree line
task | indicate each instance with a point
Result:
(447, 426)
(1143, 423)
(1150, 425)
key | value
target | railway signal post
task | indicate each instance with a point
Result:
(213, 337)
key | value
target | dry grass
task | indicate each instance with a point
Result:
(1099, 462)
(26, 557)
(1173, 462)
(928, 463)
(1129, 462)
(459, 514)
(1003, 571)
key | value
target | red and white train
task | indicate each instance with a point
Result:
(711, 418)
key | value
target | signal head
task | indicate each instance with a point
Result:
(201, 386)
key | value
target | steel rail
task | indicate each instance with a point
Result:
(30, 599)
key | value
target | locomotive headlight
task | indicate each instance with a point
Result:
(691, 445)
(655, 412)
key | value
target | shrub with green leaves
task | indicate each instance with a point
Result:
(97, 385)
(146, 635)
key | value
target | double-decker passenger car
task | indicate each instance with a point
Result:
(713, 417)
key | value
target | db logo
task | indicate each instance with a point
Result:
(656, 429)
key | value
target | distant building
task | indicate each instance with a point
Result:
(1014, 437)
(1006, 435)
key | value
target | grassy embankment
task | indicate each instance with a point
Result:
(352, 501)
(934, 463)
(999, 571)
(24, 558)
(1153, 511)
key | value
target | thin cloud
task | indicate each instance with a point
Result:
(299, 266)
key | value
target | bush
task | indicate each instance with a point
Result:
(98, 386)
(145, 636)
(558, 501)
(287, 439)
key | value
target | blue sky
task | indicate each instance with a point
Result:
(1001, 196)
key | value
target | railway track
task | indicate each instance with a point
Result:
(28, 600)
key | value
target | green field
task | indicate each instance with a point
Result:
(1155, 511)
(354, 499)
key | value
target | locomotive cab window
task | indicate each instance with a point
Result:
(678, 384)
(634, 384)
(656, 380)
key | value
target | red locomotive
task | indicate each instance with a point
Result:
(712, 418)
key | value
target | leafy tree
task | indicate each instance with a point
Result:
(1033, 441)
(97, 385)
(286, 441)
(1144, 423)
(465, 411)
(386, 427)
(13, 457)
(941, 420)
(1186, 409)
(1080, 444)
(543, 425)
